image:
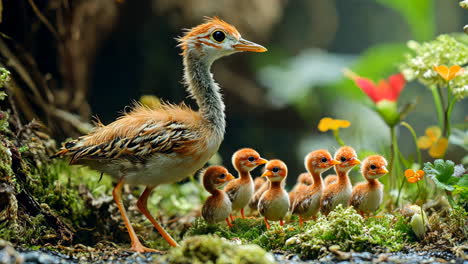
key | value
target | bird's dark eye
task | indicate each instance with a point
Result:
(251, 159)
(222, 176)
(373, 167)
(324, 159)
(275, 169)
(218, 36)
(343, 159)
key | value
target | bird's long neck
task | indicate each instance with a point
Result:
(243, 174)
(317, 176)
(212, 189)
(343, 177)
(203, 88)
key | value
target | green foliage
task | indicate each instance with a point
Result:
(215, 250)
(176, 200)
(419, 14)
(348, 230)
(444, 50)
(4, 78)
(343, 227)
(448, 177)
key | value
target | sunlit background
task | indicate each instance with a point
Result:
(275, 100)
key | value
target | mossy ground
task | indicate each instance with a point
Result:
(343, 227)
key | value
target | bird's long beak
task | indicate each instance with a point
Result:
(261, 161)
(382, 170)
(245, 45)
(334, 162)
(355, 162)
(268, 173)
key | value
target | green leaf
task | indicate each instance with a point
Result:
(441, 173)
(463, 182)
(419, 14)
(2, 95)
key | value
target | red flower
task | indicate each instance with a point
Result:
(385, 90)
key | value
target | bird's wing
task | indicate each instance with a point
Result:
(135, 136)
(232, 190)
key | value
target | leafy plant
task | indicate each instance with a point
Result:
(453, 179)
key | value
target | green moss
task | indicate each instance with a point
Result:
(342, 227)
(212, 249)
(348, 230)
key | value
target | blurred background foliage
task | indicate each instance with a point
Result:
(274, 100)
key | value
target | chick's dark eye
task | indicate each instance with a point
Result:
(343, 159)
(373, 167)
(218, 36)
(275, 169)
(222, 176)
(251, 159)
(324, 159)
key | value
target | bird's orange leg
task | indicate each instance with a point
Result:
(136, 244)
(228, 222)
(301, 221)
(242, 213)
(281, 222)
(231, 217)
(266, 223)
(142, 205)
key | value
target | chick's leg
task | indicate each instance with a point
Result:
(266, 223)
(142, 205)
(136, 244)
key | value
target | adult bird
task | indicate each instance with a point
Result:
(158, 146)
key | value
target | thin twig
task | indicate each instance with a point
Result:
(44, 20)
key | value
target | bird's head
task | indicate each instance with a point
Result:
(348, 158)
(247, 159)
(214, 39)
(319, 161)
(216, 176)
(275, 170)
(374, 167)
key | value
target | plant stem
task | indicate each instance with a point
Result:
(415, 138)
(399, 192)
(336, 133)
(439, 108)
(393, 164)
(449, 115)
(422, 212)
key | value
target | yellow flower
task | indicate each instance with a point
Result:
(449, 73)
(413, 176)
(150, 101)
(328, 123)
(433, 141)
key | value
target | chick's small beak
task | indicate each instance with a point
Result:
(268, 173)
(245, 45)
(229, 177)
(382, 170)
(334, 162)
(355, 162)
(261, 161)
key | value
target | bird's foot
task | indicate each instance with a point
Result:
(142, 249)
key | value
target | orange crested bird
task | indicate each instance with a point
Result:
(274, 203)
(158, 146)
(305, 199)
(218, 206)
(240, 190)
(339, 191)
(367, 196)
